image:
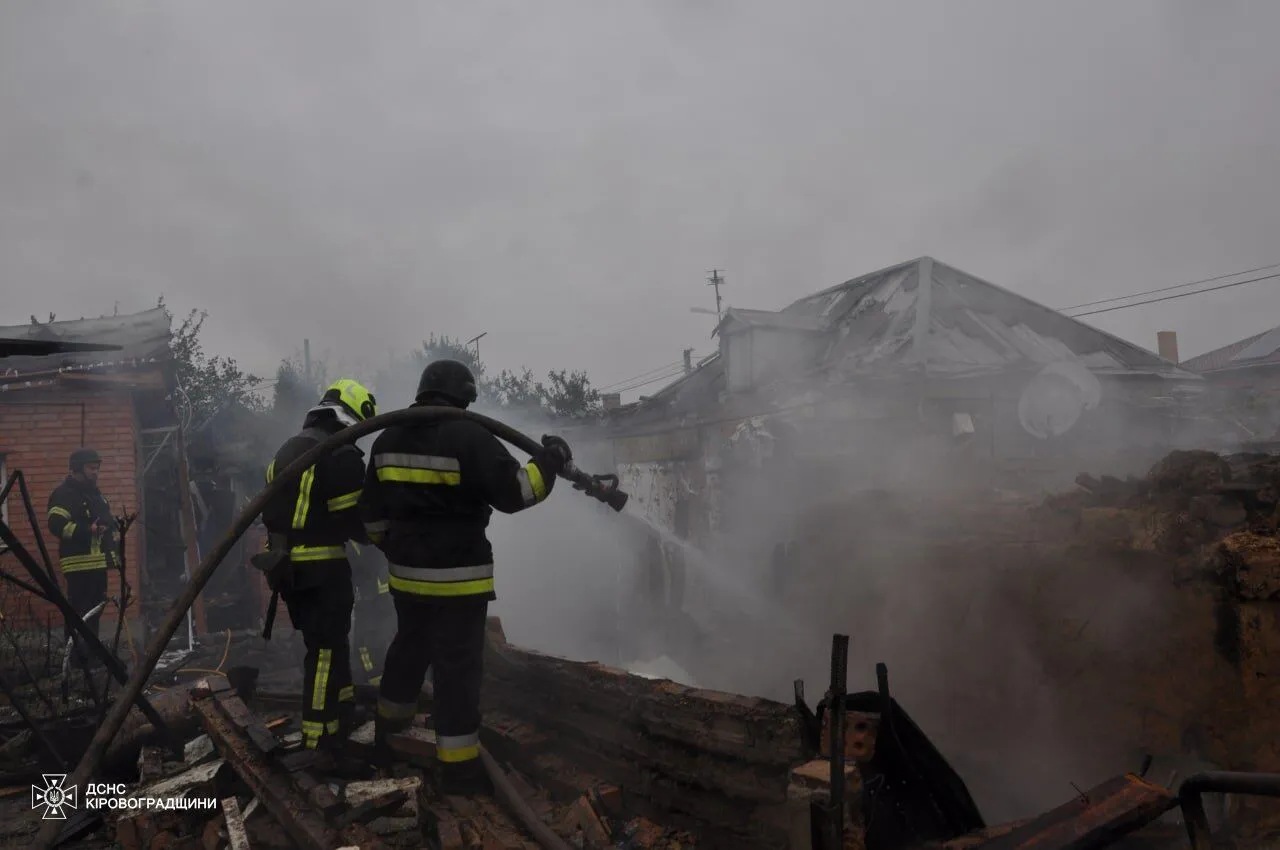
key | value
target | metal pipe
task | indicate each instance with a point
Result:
(1220, 782)
(92, 757)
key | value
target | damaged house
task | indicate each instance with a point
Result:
(885, 380)
(119, 402)
(1243, 388)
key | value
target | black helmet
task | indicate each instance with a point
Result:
(80, 457)
(449, 379)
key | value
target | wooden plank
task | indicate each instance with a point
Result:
(270, 784)
(234, 709)
(237, 836)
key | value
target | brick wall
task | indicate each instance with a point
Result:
(38, 431)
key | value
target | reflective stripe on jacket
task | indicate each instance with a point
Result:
(319, 513)
(428, 493)
(73, 507)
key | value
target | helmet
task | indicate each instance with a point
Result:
(83, 456)
(450, 379)
(352, 395)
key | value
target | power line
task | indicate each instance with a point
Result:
(1178, 295)
(628, 380)
(1169, 288)
(675, 374)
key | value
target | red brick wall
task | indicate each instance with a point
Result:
(38, 431)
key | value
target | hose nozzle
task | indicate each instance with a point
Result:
(603, 488)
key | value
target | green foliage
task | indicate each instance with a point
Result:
(569, 395)
(565, 394)
(206, 384)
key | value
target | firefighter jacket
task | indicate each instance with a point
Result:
(74, 506)
(428, 494)
(318, 514)
(368, 570)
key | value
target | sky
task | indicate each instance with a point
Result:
(562, 175)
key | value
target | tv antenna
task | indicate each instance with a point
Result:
(716, 281)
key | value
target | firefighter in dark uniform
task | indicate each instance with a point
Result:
(373, 610)
(308, 526)
(428, 494)
(80, 519)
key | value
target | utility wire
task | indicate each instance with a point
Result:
(1170, 288)
(678, 365)
(1178, 295)
(661, 368)
(676, 374)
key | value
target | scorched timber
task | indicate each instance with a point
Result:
(717, 763)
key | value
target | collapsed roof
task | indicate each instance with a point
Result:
(133, 339)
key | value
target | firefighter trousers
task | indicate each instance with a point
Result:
(85, 589)
(374, 614)
(322, 612)
(448, 635)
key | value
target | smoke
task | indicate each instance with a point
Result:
(878, 521)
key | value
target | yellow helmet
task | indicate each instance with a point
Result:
(354, 396)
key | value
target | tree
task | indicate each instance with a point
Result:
(206, 384)
(569, 395)
(516, 392)
(447, 348)
(294, 394)
(566, 394)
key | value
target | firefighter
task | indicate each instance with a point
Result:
(308, 526)
(80, 518)
(373, 609)
(428, 494)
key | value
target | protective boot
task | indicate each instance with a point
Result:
(465, 779)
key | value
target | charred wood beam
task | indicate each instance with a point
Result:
(1095, 819)
(77, 625)
(272, 785)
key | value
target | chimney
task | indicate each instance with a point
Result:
(1167, 345)
(688, 360)
(611, 401)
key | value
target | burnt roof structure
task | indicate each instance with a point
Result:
(920, 318)
(135, 340)
(1249, 353)
(927, 314)
(42, 347)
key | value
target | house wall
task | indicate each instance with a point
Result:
(754, 357)
(38, 432)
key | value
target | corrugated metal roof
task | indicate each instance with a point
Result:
(1258, 350)
(142, 338)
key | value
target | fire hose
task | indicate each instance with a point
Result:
(601, 487)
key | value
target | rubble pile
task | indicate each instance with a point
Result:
(580, 763)
(1189, 500)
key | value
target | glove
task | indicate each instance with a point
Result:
(556, 454)
(556, 444)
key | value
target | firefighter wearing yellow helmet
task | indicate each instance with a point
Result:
(308, 526)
